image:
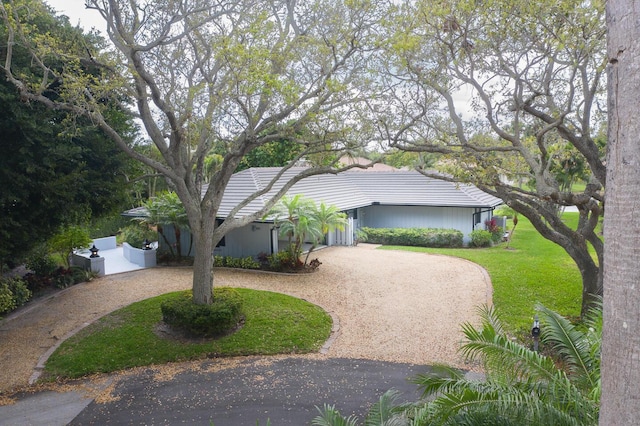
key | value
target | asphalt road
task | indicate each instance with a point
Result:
(253, 391)
(283, 392)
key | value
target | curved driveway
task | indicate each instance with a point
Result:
(392, 306)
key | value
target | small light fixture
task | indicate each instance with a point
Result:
(146, 244)
(94, 251)
(535, 333)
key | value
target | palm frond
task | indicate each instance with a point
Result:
(386, 412)
(572, 345)
(477, 403)
(437, 379)
(329, 416)
(521, 386)
(504, 359)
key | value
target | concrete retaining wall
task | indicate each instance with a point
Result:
(106, 243)
(95, 264)
(144, 258)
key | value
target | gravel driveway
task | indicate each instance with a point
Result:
(391, 306)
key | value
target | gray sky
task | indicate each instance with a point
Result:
(88, 19)
(78, 13)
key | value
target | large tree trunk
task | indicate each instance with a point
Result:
(576, 243)
(620, 402)
(591, 281)
(203, 265)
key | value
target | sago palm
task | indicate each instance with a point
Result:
(521, 386)
(385, 412)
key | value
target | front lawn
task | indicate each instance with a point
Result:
(532, 270)
(275, 324)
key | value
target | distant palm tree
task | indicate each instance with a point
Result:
(167, 209)
(521, 386)
(294, 216)
(327, 218)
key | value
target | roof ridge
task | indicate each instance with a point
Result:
(258, 184)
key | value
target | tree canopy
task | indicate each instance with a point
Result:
(239, 74)
(535, 74)
(55, 168)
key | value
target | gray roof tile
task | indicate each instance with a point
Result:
(350, 190)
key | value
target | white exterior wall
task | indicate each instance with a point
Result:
(418, 217)
(241, 242)
(247, 241)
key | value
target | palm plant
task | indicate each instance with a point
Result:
(520, 387)
(167, 209)
(294, 216)
(327, 218)
(385, 412)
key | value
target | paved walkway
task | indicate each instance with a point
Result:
(393, 307)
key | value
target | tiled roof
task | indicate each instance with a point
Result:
(350, 190)
(328, 188)
(410, 188)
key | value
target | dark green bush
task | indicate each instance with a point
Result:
(497, 232)
(136, 233)
(282, 261)
(217, 319)
(236, 262)
(108, 225)
(40, 262)
(480, 238)
(420, 237)
(63, 277)
(80, 274)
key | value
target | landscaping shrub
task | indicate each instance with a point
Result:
(63, 277)
(13, 294)
(108, 225)
(135, 234)
(67, 239)
(496, 231)
(361, 236)
(236, 262)
(249, 263)
(7, 302)
(418, 237)
(217, 319)
(281, 261)
(19, 290)
(40, 262)
(480, 238)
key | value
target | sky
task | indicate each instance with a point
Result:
(88, 19)
(78, 13)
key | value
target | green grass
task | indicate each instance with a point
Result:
(275, 324)
(532, 270)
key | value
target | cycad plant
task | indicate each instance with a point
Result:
(520, 386)
(386, 412)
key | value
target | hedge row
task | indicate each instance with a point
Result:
(419, 237)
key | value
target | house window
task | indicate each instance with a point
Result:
(221, 243)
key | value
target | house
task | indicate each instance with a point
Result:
(375, 199)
